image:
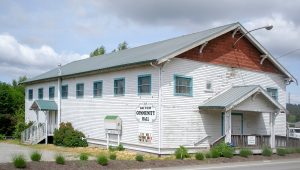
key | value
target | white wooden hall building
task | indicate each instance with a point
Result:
(190, 90)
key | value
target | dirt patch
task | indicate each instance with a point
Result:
(130, 164)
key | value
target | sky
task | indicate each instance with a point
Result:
(36, 36)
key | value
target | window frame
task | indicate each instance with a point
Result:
(94, 94)
(277, 93)
(65, 97)
(117, 79)
(77, 85)
(150, 84)
(30, 97)
(42, 97)
(50, 97)
(190, 94)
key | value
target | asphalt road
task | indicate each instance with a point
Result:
(281, 164)
(8, 151)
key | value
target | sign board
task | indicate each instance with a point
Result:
(145, 113)
(251, 140)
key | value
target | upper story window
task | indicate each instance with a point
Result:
(79, 90)
(51, 92)
(98, 88)
(183, 86)
(30, 94)
(119, 87)
(40, 93)
(208, 85)
(273, 92)
(64, 91)
(144, 84)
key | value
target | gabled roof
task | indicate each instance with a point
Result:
(157, 52)
(43, 105)
(234, 96)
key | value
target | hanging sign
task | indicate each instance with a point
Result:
(251, 140)
(145, 113)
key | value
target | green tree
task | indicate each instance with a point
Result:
(98, 51)
(123, 46)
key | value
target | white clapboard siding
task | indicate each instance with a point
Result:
(183, 124)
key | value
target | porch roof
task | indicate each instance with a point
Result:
(230, 98)
(43, 105)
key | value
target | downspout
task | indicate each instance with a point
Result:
(59, 96)
(159, 104)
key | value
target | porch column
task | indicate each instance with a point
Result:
(46, 120)
(58, 102)
(272, 131)
(227, 124)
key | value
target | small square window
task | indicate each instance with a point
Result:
(98, 88)
(273, 92)
(40, 93)
(183, 86)
(119, 87)
(79, 90)
(208, 85)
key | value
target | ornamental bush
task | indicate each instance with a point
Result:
(224, 148)
(228, 153)
(208, 154)
(36, 156)
(19, 161)
(245, 152)
(281, 151)
(102, 160)
(60, 159)
(139, 158)
(199, 156)
(67, 136)
(120, 147)
(267, 151)
(181, 153)
(113, 156)
(83, 156)
(215, 153)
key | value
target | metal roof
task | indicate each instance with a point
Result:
(155, 52)
(43, 105)
(235, 95)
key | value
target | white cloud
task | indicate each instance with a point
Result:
(17, 59)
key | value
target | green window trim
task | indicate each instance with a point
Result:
(242, 122)
(99, 89)
(116, 89)
(64, 91)
(140, 85)
(51, 92)
(273, 92)
(190, 86)
(30, 94)
(79, 90)
(40, 93)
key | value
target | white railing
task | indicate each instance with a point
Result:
(34, 134)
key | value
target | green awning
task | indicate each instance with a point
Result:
(110, 117)
(44, 105)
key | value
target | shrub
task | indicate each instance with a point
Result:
(297, 150)
(113, 156)
(215, 153)
(228, 153)
(2, 137)
(102, 160)
(290, 150)
(36, 156)
(139, 158)
(60, 159)
(244, 152)
(19, 161)
(83, 156)
(111, 148)
(208, 154)
(267, 151)
(199, 156)
(281, 151)
(67, 136)
(181, 153)
(120, 147)
(223, 147)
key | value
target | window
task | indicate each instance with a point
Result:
(79, 90)
(40, 93)
(273, 92)
(51, 92)
(98, 88)
(144, 84)
(208, 85)
(30, 94)
(119, 87)
(183, 86)
(64, 91)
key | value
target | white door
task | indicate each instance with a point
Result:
(236, 124)
(52, 122)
